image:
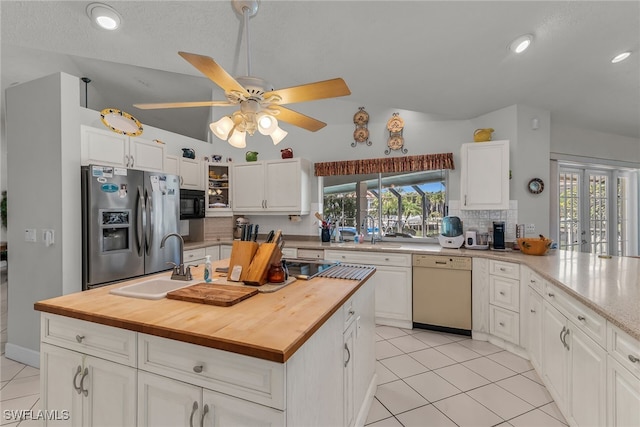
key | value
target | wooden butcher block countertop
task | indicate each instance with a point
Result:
(269, 326)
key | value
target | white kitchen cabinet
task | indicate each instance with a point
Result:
(480, 296)
(213, 252)
(95, 392)
(194, 256)
(191, 174)
(271, 186)
(104, 147)
(225, 251)
(496, 305)
(484, 177)
(393, 284)
(348, 340)
(218, 189)
(623, 396)
(574, 369)
(226, 411)
(167, 402)
(534, 328)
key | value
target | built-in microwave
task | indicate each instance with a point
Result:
(192, 204)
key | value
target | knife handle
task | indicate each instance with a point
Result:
(255, 235)
(270, 236)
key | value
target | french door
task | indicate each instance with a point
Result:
(597, 211)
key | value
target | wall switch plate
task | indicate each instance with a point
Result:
(530, 228)
(30, 235)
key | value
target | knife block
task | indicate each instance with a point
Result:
(267, 254)
(242, 252)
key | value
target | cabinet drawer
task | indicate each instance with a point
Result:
(348, 313)
(115, 344)
(194, 254)
(504, 293)
(311, 253)
(504, 324)
(289, 252)
(504, 269)
(582, 317)
(534, 280)
(257, 380)
(370, 258)
(624, 349)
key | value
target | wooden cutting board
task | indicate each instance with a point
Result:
(206, 293)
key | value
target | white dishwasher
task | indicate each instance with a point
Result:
(442, 293)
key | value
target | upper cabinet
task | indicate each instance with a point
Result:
(484, 181)
(218, 200)
(189, 170)
(104, 147)
(271, 186)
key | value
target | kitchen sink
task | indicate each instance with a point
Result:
(152, 289)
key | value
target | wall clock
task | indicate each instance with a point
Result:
(535, 186)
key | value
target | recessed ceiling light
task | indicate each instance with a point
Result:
(104, 16)
(521, 43)
(620, 57)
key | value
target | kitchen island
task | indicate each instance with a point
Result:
(303, 355)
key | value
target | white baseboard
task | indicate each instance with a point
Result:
(22, 355)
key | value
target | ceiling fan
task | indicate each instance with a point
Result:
(259, 103)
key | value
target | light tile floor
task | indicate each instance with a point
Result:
(424, 379)
(429, 378)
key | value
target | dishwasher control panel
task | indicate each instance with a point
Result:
(442, 261)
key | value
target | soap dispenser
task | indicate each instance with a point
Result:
(208, 272)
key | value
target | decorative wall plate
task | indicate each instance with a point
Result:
(361, 133)
(395, 123)
(395, 126)
(361, 118)
(535, 186)
(121, 122)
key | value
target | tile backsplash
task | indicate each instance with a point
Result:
(482, 220)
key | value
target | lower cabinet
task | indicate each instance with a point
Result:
(574, 369)
(349, 339)
(534, 328)
(167, 402)
(392, 281)
(95, 392)
(623, 395)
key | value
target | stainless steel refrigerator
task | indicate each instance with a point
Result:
(125, 214)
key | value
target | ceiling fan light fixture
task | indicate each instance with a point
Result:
(238, 139)
(222, 127)
(104, 16)
(520, 44)
(278, 135)
(267, 124)
(620, 57)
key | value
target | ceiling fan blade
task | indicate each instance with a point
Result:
(183, 105)
(297, 119)
(214, 72)
(311, 91)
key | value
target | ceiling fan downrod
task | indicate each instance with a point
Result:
(246, 8)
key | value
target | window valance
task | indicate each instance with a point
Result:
(388, 164)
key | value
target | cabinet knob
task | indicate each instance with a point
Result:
(551, 294)
(532, 281)
(503, 269)
(501, 324)
(79, 338)
(532, 310)
(633, 359)
(581, 318)
(502, 293)
(197, 369)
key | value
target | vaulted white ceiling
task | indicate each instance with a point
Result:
(445, 58)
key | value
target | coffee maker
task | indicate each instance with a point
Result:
(498, 235)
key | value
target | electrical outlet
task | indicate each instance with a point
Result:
(530, 228)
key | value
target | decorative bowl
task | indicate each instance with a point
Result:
(534, 245)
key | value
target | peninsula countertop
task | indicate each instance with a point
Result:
(269, 326)
(609, 286)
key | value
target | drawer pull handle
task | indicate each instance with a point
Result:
(78, 372)
(581, 318)
(351, 313)
(502, 293)
(386, 259)
(79, 338)
(532, 310)
(503, 269)
(193, 412)
(551, 294)
(633, 359)
(197, 369)
(532, 281)
(501, 324)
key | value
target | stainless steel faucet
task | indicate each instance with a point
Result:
(374, 239)
(179, 271)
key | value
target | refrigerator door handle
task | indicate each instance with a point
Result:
(141, 221)
(149, 227)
